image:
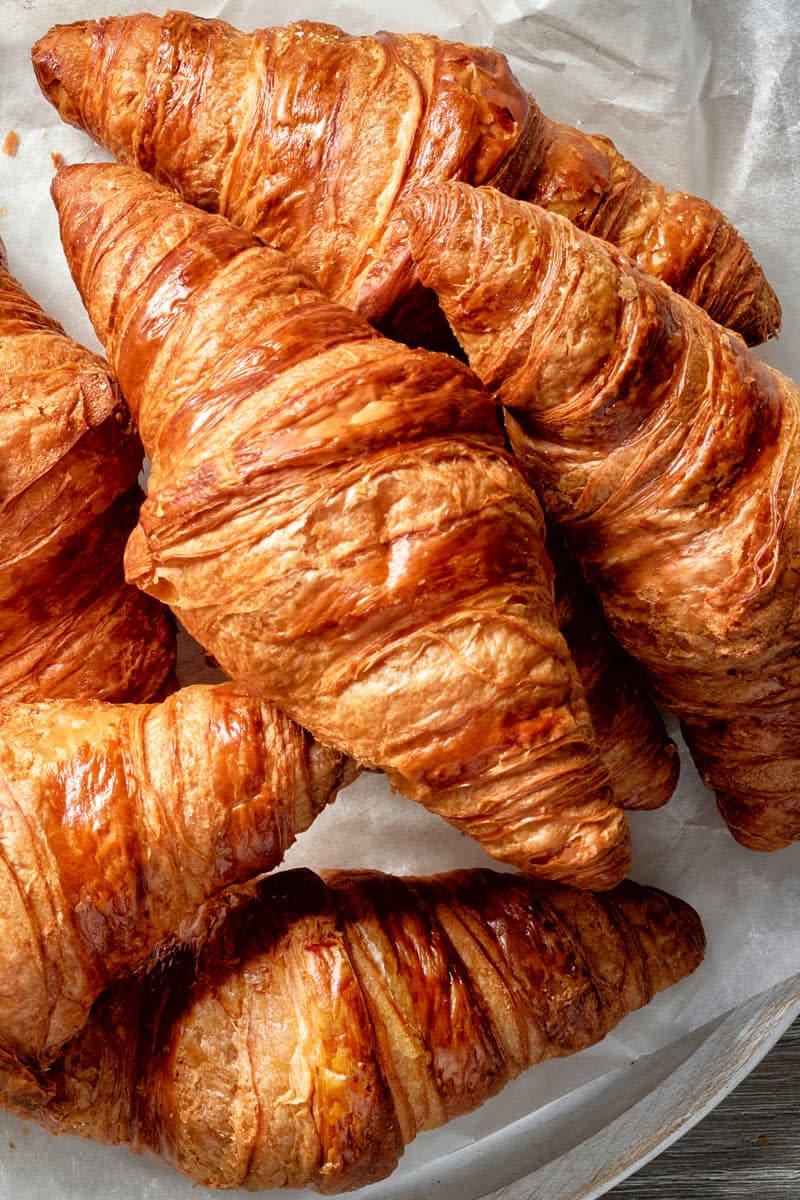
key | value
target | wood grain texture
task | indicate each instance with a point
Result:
(747, 1147)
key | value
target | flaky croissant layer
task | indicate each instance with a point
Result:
(310, 138)
(324, 1023)
(335, 517)
(70, 626)
(118, 822)
(669, 455)
(641, 758)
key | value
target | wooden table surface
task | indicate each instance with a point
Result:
(747, 1148)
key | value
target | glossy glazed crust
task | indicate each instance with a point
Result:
(667, 453)
(70, 626)
(118, 822)
(325, 1023)
(352, 539)
(310, 138)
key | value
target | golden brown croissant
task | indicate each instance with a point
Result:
(70, 626)
(640, 757)
(327, 1022)
(667, 453)
(309, 138)
(336, 519)
(117, 822)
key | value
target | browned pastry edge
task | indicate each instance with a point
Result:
(70, 625)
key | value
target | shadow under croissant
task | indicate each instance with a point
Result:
(322, 1022)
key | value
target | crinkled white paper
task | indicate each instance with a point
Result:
(703, 96)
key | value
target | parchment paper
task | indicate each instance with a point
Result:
(703, 96)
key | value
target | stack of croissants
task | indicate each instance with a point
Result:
(461, 470)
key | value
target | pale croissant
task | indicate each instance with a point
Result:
(309, 138)
(669, 455)
(70, 625)
(336, 519)
(117, 823)
(326, 1023)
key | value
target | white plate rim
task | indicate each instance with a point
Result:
(731, 1052)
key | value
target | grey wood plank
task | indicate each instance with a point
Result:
(747, 1147)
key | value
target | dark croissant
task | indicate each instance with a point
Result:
(326, 1022)
(336, 519)
(117, 823)
(669, 456)
(70, 626)
(310, 138)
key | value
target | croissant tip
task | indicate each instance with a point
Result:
(57, 183)
(760, 827)
(64, 179)
(767, 320)
(59, 59)
(598, 863)
(45, 50)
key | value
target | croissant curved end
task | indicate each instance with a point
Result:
(59, 61)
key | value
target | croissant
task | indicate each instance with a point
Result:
(326, 1022)
(117, 822)
(336, 519)
(70, 626)
(669, 456)
(641, 758)
(310, 138)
